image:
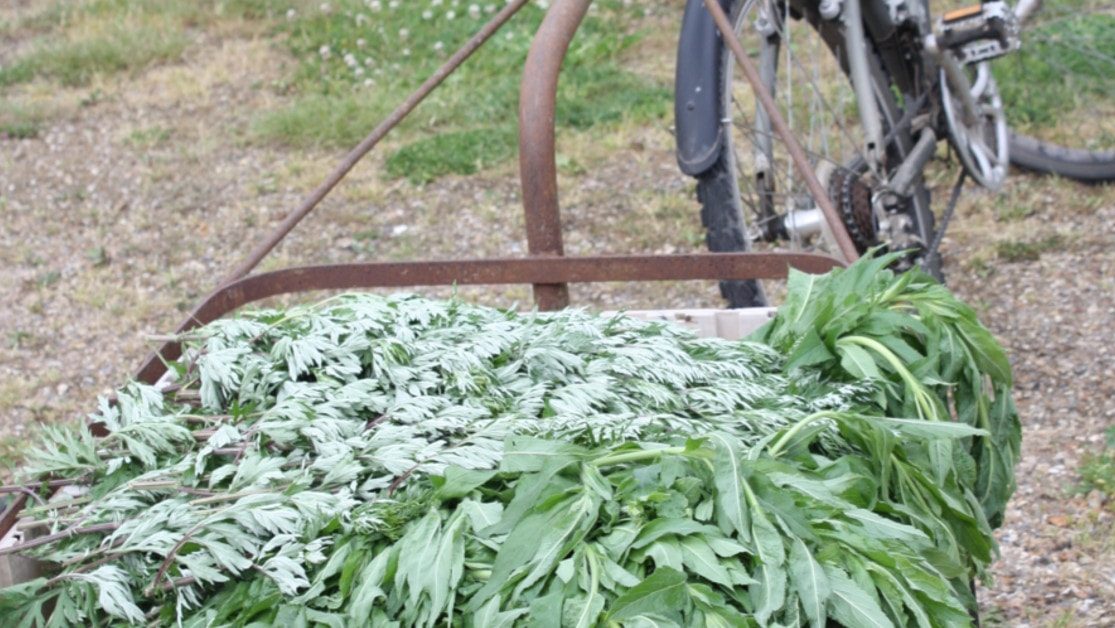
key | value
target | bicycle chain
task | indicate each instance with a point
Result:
(853, 200)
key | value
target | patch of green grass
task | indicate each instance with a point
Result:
(359, 62)
(62, 14)
(19, 72)
(75, 60)
(457, 152)
(1097, 470)
(319, 120)
(148, 137)
(1067, 58)
(78, 40)
(19, 122)
(1012, 211)
(1027, 250)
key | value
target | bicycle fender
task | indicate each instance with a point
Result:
(697, 90)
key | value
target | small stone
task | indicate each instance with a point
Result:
(1061, 521)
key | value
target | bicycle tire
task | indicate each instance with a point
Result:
(1063, 75)
(1086, 166)
(722, 213)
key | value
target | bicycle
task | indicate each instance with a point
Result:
(872, 88)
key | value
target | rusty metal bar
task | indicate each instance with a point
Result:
(537, 161)
(373, 138)
(11, 513)
(801, 162)
(532, 270)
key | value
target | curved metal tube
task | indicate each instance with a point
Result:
(533, 270)
(537, 162)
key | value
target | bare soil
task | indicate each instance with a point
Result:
(142, 191)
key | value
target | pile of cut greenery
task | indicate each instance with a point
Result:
(403, 461)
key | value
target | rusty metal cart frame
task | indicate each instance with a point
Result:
(546, 267)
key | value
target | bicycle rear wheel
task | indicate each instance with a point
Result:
(754, 196)
(1059, 91)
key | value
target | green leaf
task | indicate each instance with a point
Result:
(545, 611)
(659, 528)
(460, 482)
(731, 502)
(852, 606)
(491, 617)
(769, 592)
(857, 362)
(930, 429)
(581, 611)
(528, 455)
(699, 559)
(663, 592)
(649, 621)
(769, 542)
(809, 581)
(808, 351)
(881, 527)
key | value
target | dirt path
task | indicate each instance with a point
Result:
(1055, 316)
(143, 191)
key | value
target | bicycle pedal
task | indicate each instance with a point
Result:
(979, 32)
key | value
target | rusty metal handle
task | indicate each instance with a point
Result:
(502, 271)
(537, 162)
(801, 162)
(537, 159)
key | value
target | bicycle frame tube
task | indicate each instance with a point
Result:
(768, 74)
(856, 41)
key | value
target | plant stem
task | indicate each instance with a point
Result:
(178, 582)
(796, 428)
(82, 569)
(20, 488)
(223, 497)
(925, 406)
(58, 536)
(169, 559)
(636, 456)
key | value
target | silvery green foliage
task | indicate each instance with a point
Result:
(367, 460)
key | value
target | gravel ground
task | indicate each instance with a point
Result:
(142, 192)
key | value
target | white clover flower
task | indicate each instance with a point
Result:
(449, 15)
(404, 33)
(361, 19)
(435, 3)
(325, 8)
(375, 5)
(358, 71)
(350, 59)
(490, 8)
(360, 43)
(324, 52)
(369, 82)
(427, 14)
(291, 14)
(438, 46)
(369, 61)
(474, 11)
(406, 53)
(394, 4)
